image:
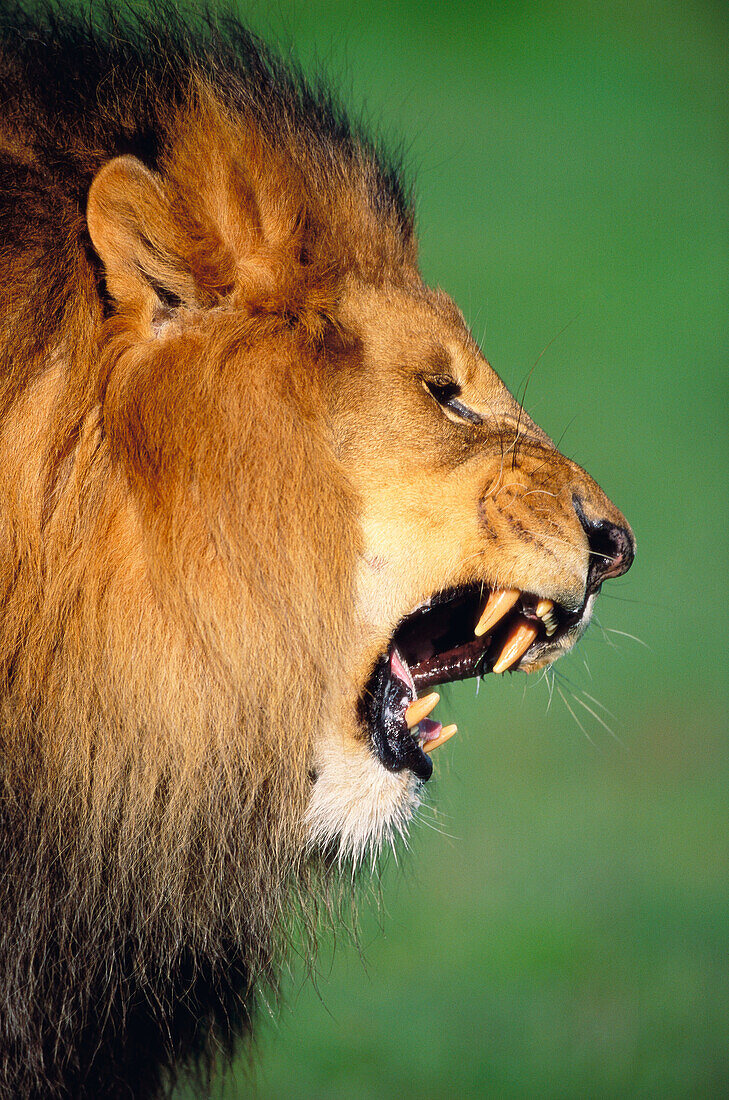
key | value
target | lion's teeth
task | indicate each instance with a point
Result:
(445, 735)
(545, 611)
(497, 605)
(517, 643)
(421, 708)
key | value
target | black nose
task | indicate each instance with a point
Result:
(612, 549)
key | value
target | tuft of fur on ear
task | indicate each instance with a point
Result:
(240, 195)
(224, 221)
(133, 230)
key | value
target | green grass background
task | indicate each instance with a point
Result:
(559, 927)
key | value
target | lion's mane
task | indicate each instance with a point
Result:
(176, 548)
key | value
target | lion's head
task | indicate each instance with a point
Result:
(483, 548)
(260, 488)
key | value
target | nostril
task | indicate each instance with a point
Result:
(611, 552)
(612, 549)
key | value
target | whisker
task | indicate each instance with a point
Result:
(528, 379)
(532, 492)
(599, 704)
(436, 811)
(542, 676)
(430, 825)
(597, 718)
(550, 684)
(607, 640)
(566, 429)
(624, 634)
(569, 708)
(576, 688)
(627, 599)
(433, 824)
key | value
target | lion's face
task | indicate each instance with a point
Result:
(483, 547)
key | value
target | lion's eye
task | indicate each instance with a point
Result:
(446, 392)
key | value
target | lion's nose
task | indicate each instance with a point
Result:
(612, 548)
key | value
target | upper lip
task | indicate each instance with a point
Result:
(457, 633)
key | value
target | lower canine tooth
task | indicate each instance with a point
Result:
(517, 643)
(445, 735)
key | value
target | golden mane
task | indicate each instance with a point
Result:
(165, 640)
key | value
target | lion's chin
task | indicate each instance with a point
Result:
(357, 806)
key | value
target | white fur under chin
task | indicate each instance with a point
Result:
(357, 806)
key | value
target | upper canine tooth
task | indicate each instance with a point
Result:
(497, 605)
(421, 708)
(517, 643)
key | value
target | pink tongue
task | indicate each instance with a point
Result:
(398, 669)
(429, 730)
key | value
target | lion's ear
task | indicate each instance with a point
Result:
(133, 230)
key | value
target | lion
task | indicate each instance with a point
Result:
(260, 492)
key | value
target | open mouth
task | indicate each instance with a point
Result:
(457, 634)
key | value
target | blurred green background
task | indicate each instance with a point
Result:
(559, 927)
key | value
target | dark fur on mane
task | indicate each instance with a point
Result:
(111, 75)
(80, 89)
(119, 965)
